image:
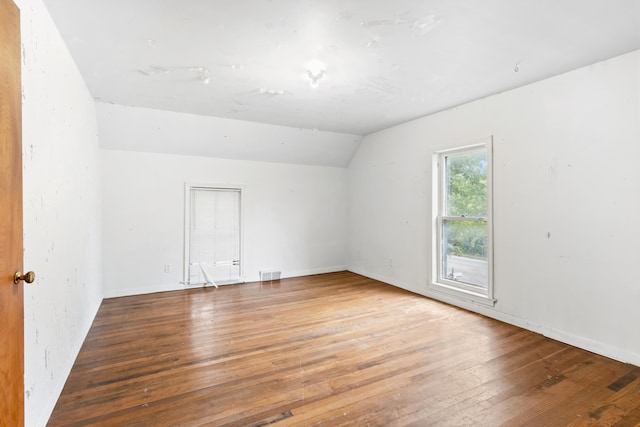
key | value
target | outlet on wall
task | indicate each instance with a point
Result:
(167, 268)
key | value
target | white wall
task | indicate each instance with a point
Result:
(294, 217)
(61, 211)
(158, 131)
(566, 165)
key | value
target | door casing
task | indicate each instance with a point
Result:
(187, 215)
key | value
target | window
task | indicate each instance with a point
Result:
(462, 242)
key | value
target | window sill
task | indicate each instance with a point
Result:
(462, 294)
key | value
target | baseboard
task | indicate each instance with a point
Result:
(141, 290)
(300, 273)
(312, 271)
(581, 342)
(57, 390)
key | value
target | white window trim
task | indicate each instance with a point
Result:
(437, 283)
(188, 186)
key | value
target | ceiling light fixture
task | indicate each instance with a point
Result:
(315, 72)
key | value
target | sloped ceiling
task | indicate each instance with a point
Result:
(376, 63)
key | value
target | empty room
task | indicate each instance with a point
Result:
(297, 213)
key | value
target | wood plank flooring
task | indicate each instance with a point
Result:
(333, 349)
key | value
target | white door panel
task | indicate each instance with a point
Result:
(213, 235)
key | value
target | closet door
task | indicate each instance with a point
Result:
(214, 236)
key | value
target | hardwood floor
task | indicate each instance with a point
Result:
(333, 349)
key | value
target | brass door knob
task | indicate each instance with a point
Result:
(27, 277)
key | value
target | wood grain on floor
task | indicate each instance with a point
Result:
(332, 349)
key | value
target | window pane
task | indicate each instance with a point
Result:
(464, 250)
(466, 184)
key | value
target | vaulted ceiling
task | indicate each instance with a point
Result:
(349, 66)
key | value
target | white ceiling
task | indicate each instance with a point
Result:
(387, 61)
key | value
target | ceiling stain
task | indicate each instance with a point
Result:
(151, 71)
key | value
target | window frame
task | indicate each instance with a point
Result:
(438, 281)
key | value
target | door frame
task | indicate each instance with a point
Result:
(188, 186)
